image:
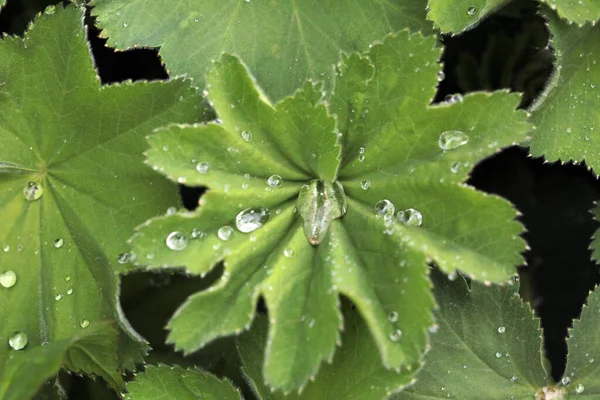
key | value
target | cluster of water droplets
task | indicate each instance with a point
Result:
(386, 210)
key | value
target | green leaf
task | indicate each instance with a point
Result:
(177, 383)
(578, 11)
(21, 377)
(581, 374)
(565, 114)
(356, 371)
(455, 16)
(283, 43)
(72, 184)
(488, 346)
(389, 144)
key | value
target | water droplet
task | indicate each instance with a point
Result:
(365, 185)
(70, 291)
(395, 335)
(197, 234)
(50, 10)
(6, 248)
(58, 297)
(453, 98)
(441, 76)
(579, 388)
(385, 208)
(450, 140)
(123, 258)
(176, 241)
(202, 167)
(513, 378)
(410, 217)
(498, 354)
(247, 136)
(225, 232)
(361, 158)
(501, 329)
(33, 191)
(18, 341)
(565, 380)
(125, 24)
(67, 278)
(8, 278)
(471, 10)
(171, 210)
(251, 219)
(455, 167)
(58, 243)
(275, 181)
(84, 323)
(288, 252)
(319, 203)
(393, 316)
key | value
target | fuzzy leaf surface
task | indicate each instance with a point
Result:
(378, 126)
(578, 11)
(283, 43)
(356, 371)
(487, 337)
(177, 383)
(566, 115)
(456, 16)
(22, 376)
(81, 144)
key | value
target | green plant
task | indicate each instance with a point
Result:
(338, 251)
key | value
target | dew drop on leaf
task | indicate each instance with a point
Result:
(50, 10)
(176, 241)
(450, 140)
(275, 181)
(501, 329)
(58, 243)
(58, 297)
(565, 380)
(410, 217)
(123, 258)
(247, 136)
(33, 191)
(197, 234)
(84, 323)
(70, 291)
(8, 278)
(395, 335)
(224, 233)
(579, 388)
(455, 167)
(288, 252)
(393, 316)
(441, 76)
(319, 203)
(384, 208)
(513, 378)
(202, 167)
(365, 185)
(6, 248)
(171, 210)
(498, 354)
(453, 98)
(18, 341)
(67, 278)
(251, 219)
(471, 10)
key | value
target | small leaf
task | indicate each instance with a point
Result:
(72, 184)
(565, 115)
(455, 16)
(177, 383)
(488, 346)
(21, 377)
(283, 43)
(372, 144)
(356, 371)
(578, 11)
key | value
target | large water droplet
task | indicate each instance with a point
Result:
(225, 232)
(176, 241)
(8, 278)
(202, 167)
(385, 208)
(319, 203)
(6, 248)
(393, 316)
(410, 217)
(579, 388)
(84, 323)
(565, 380)
(18, 341)
(58, 243)
(275, 181)
(247, 136)
(395, 335)
(450, 140)
(251, 219)
(33, 191)
(501, 329)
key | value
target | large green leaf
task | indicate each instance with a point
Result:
(578, 11)
(356, 371)
(283, 42)
(390, 145)
(566, 115)
(72, 184)
(488, 346)
(21, 377)
(455, 16)
(177, 383)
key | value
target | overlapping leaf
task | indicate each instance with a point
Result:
(390, 145)
(283, 43)
(72, 184)
(356, 371)
(578, 11)
(566, 115)
(177, 383)
(455, 16)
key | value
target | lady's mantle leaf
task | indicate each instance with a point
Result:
(566, 115)
(488, 346)
(578, 11)
(455, 16)
(390, 145)
(356, 371)
(72, 184)
(283, 42)
(21, 377)
(177, 383)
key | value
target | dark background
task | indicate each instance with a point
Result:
(508, 50)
